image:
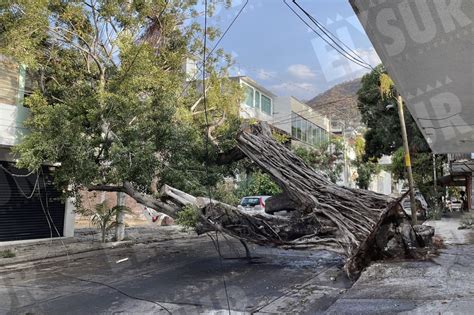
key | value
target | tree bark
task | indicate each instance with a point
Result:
(324, 215)
(356, 223)
(144, 199)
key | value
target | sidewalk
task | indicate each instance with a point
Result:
(447, 228)
(441, 285)
(88, 239)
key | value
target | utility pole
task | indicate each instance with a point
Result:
(407, 159)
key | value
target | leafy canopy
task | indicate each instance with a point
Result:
(109, 98)
(383, 136)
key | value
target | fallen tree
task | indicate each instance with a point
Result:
(360, 224)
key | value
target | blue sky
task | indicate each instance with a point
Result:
(271, 45)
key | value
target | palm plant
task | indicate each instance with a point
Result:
(104, 217)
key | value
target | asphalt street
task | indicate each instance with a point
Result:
(177, 276)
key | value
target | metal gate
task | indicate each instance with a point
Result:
(30, 206)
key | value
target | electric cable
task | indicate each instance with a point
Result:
(119, 291)
(333, 37)
(215, 46)
(349, 57)
(204, 95)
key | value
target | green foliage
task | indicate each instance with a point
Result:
(104, 217)
(226, 192)
(365, 168)
(109, 100)
(258, 183)
(365, 171)
(280, 137)
(436, 211)
(467, 221)
(7, 253)
(454, 192)
(188, 217)
(422, 169)
(327, 157)
(383, 136)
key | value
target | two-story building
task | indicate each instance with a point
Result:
(30, 206)
(258, 102)
(305, 126)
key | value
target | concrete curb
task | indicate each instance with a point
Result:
(6, 265)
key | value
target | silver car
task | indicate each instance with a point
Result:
(253, 204)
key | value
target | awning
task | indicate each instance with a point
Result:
(453, 180)
(427, 46)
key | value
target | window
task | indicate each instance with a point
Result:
(315, 135)
(318, 136)
(307, 131)
(325, 136)
(293, 124)
(257, 99)
(249, 98)
(304, 128)
(266, 105)
(298, 128)
(310, 133)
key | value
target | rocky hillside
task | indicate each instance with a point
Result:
(339, 102)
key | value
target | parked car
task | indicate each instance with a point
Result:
(253, 204)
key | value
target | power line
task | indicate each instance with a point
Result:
(340, 51)
(119, 291)
(246, 67)
(284, 118)
(333, 37)
(204, 95)
(214, 48)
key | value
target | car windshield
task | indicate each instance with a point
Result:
(250, 202)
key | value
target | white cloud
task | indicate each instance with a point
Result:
(263, 74)
(302, 90)
(300, 71)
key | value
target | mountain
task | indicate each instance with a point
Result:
(339, 103)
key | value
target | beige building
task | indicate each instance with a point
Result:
(305, 126)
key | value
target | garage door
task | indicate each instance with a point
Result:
(30, 207)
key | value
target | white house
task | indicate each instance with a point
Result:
(258, 102)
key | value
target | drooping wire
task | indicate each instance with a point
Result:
(285, 118)
(340, 51)
(119, 291)
(51, 224)
(333, 37)
(208, 182)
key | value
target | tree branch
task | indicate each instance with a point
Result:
(144, 199)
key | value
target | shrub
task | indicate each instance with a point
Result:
(8, 253)
(467, 221)
(188, 217)
(103, 217)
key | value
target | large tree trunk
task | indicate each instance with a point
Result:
(357, 223)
